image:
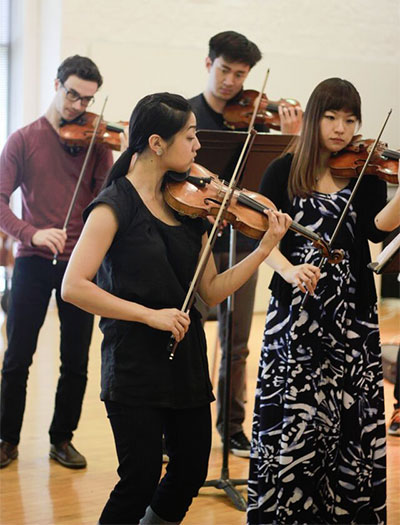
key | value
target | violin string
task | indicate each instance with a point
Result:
(298, 228)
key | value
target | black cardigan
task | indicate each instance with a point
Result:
(370, 198)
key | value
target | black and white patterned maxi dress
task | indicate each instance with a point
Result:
(318, 439)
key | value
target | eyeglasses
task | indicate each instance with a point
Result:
(74, 96)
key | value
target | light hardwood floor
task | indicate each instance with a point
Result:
(37, 490)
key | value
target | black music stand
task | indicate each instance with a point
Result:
(219, 153)
(388, 261)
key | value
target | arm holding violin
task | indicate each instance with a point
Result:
(79, 289)
(214, 287)
(375, 216)
(12, 175)
(388, 219)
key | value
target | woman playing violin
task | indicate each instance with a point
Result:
(318, 443)
(146, 256)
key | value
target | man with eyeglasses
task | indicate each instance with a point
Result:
(46, 171)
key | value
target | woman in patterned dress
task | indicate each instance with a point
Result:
(318, 441)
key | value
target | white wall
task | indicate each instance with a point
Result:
(35, 54)
(154, 45)
(143, 46)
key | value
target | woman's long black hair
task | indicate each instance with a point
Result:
(162, 114)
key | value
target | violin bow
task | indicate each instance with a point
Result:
(350, 199)
(82, 173)
(201, 266)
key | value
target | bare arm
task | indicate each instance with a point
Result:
(388, 218)
(78, 286)
(214, 287)
(305, 276)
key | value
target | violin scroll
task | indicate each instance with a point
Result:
(80, 131)
(332, 256)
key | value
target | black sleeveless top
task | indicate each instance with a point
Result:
(151, 263)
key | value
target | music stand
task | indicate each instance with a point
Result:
(219, 153)
(388, 261)
(220, 150)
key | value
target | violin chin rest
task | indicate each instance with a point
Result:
(178, 177)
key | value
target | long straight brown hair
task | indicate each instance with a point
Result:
(331, 94)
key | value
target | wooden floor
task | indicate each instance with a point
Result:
(37, 490)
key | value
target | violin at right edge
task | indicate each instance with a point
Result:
(349, 161)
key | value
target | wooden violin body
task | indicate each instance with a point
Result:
(350, 161)
(202, 193)
(80, 131)
(203, 198)
(238, 112)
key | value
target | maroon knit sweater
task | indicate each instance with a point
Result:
(34, 160)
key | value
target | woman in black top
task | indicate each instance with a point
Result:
(318, 442)
(146, 256)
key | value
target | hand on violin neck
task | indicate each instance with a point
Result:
(291, 119)
(278, 224)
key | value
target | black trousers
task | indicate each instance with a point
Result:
(138, 438)
(34, 278)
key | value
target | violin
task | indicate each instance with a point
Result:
(238, 112)
(202, 192)
(80, 131)
(349, 161)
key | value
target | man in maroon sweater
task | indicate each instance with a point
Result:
(46, 171)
